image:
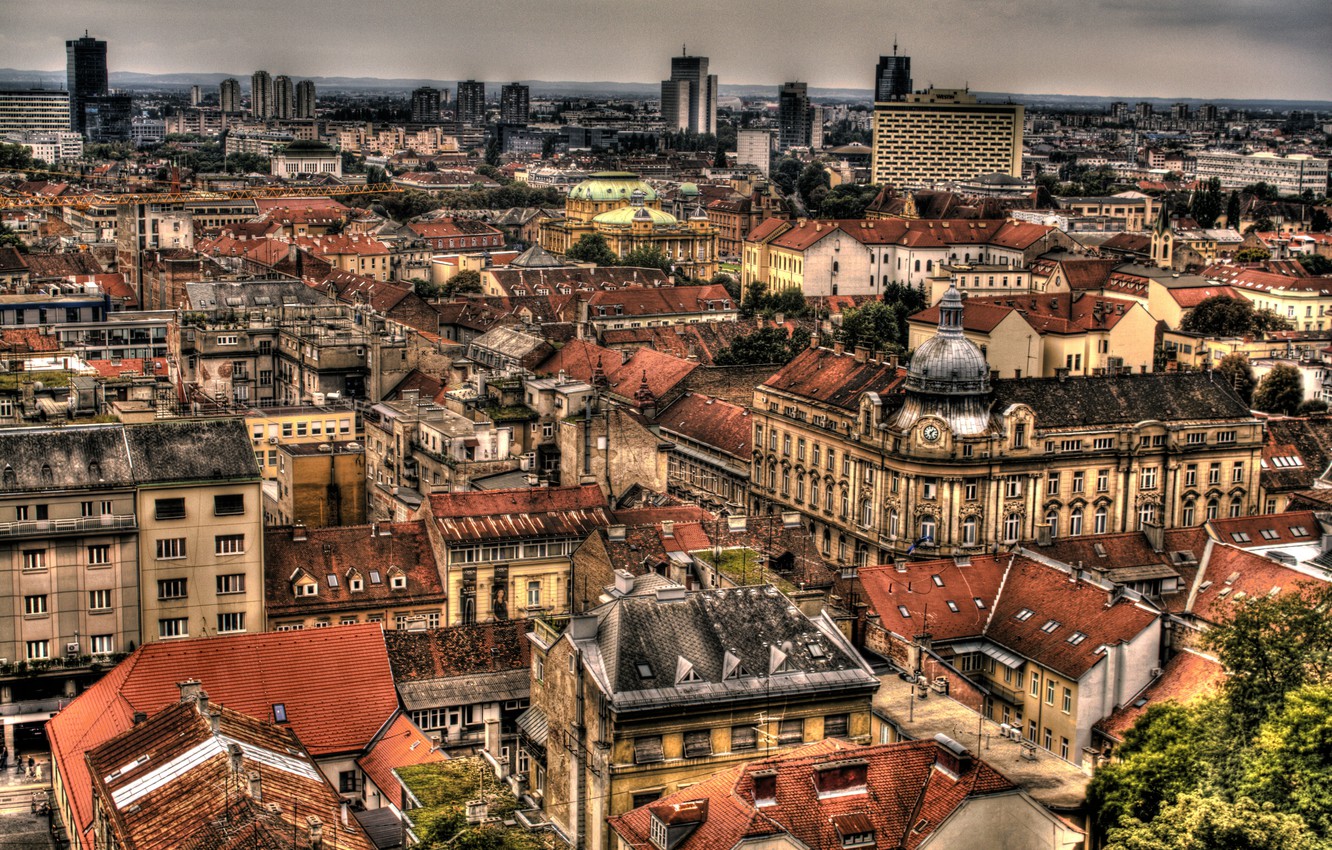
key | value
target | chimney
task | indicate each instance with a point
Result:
(668, 528)
(839, 778)
(814, 340)
(862, 353)
(140, 717)
(298, 532)
(892, 361)
(316, 828)
(1043, 534)
(624, 582)
(1155, 534)
(214, 720)
(190, 690)
(950, 756)
(839, 349)
(344, 814)
(256, 786)
(234, 757)
(765, 788)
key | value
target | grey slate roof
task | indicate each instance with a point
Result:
(191, 449)
(77, 457)
(757, 625)
(1122, 399)
(252, 294)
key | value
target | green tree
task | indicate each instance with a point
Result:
(1316, 264)
(1160, 758)
(732, 285)
(374, 174)
(1311, 406)
(405, 206)
(1319, 221)
(847, 200)
(464, 281)
(1272, 645)
(591, 248)
(493, 150)
(785, 174)
(1234, 368)
(719, 161)
(647, 257)
(876, 325)
(812, 178)
(10, 239)
(1280, 391)
(1290, 762)
(1206, 206)
(1262, 191)
(1222, 315)
(763, 346)
(1252, 255)
(1199, 821)
(15, 157)
(1233, 211)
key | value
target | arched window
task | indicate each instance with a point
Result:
(827, 541)
(917, 265)
(929, 265)
(772, 477)
(1213, 508)
(885, 280)
(841, 547)
(94, 471)
(892, 523)
(1052, 520)
(834, 267)
(786, 481)
(846, 504)
(1236, 506)
(928, 530)
(969, 526)
(866, 513)
(828, 497)
(800, 488)
(48, 479)
(1186, 515)
(1012, 528)
(1075, 522)
(1101, 516)
(10, 479)
(813, 491)
(1146, 515)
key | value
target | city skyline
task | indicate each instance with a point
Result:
(1110, 48)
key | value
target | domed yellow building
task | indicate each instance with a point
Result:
(627, 212)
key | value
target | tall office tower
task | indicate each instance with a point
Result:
(943, 135)
(1143, 111)
(471, 107)
(689, 97)
(1119, 112)
(284, 97)
(33, 111)
(196, 95)
(754, 147)
(425, 105)
(1207, 113)
(892, 77)
(514, 103)
(85, 75)
(305, 99)
(261, 95)
(1179, 112)
(795, 117)
(229, 95)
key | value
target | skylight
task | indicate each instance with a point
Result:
(816, 651)
(1025, 614)
(1298, 530)
(952, 606)
(644, 670)
(938, 580)
(902, 609)
(980, 603)
(1269, 534)
(1240, 536)
(374, 577)
(1076, 638)
(1050, 626)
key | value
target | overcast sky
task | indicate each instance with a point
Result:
(1150, 48)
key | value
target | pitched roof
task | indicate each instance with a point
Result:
(657, 301)
(332, 555)
(1165, 396)
(169, 783)
(580, 359)
(1267, 530)
(400, 743)
(524, 512)
(1188, 676)
(508, 279)
(335, 684)
(446, 228)
(1298, 451)
(461, 665)
(823, 375)
(925, 590)
(1230, 575)
(706, 420)
(904, 799)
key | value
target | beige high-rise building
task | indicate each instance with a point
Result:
(945, 135)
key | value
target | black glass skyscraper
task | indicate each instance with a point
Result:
(892, 78)
(86, 76)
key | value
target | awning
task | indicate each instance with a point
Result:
(534, 725)
(1003, 656)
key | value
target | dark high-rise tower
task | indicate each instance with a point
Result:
(261, 95)
(86, 77)
(514, 103)
(892, 78)
(229, 95)
(425, 105)
(305, 99)
(795, 117)
(284, 97)
(689, 97)
(471, 108)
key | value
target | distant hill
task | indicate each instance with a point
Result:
(13, 78)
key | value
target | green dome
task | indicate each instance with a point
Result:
(624, 216)
(689, 189)
(611, 186)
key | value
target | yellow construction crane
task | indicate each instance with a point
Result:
(109, 199)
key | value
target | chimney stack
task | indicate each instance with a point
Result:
(256, 786)
(862, 353)
(190, 690)
(316, 827)
(624, 582)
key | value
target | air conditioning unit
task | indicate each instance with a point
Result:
(272, 441)
(72, 648)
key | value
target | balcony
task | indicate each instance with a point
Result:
(80, 525)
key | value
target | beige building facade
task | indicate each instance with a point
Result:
(944, 135)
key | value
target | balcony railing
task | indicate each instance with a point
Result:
(79, 525)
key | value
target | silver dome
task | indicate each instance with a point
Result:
(948, 363)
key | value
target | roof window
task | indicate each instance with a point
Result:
(1024, 615)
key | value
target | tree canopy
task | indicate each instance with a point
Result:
(591, 248)
(1237, 372)
(1280, 391)
(1222, 315)
(1206, 206)
(647, 257)
(763, 346)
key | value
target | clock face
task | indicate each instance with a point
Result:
(930, 433)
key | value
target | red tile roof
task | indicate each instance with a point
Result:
(926, 600)
(401, 744)
(905, 798)
(660, 301)
(333, 245)
(1230, 575)
(1188, 676)
(712, 422)
(1261, 281)
(823, 375)
(1253, 532)
(266, 205)
(1195, 295)
(335, 684)
(130, 367)
(525, 512)
(445, 228)
(579, 360)
(1046, 313)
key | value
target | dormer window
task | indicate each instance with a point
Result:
(308, 588)
(685, 673)
(355, 583)
(854, 829)
(397, 579)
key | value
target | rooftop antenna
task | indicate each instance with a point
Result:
(894, 44)
(683, 51)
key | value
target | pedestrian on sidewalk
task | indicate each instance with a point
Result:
(32, 766)
(4, 756)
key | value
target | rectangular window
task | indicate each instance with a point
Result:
(99, 555)
(1103, 443)
(169, 508)
(835, 725)
(85, 509)
(349, 781)
(1237, 474)
(1020, 435)
(1013, 487)
(170, 548)
(648, 750)
(1225, 436)
(229, 544)
(1035, 684)
(229, 504)
(99, 600)
(1078, 479)
(1063, 748)
(172, 588)
(929, 488)
(38, 650)
(101, 644)
(697, 743)
(1052, 484)
(1102, 480)
(173, 627)
(1047, 739)
(1214, 474)
(791, 731)
(34, 559)
(1147, 478)
(743, 738)
(1191, 475)
(230, 583)
(232, 622)
(1068, 700)
(20, 513)
(34, 605)
(533, 594)
(1049, 691)
(970, 489)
